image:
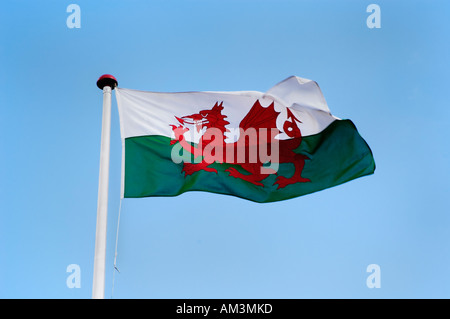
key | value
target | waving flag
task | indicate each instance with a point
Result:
(259, 146)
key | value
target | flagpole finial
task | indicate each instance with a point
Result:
(106, 80)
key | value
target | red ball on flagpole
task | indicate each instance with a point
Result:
(106, 80)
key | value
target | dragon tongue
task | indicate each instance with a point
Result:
(179, 120)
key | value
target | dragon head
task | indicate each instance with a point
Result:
(206, 118)
(290, 127)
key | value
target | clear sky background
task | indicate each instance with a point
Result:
(392, 82)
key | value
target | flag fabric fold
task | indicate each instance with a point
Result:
(260, 146)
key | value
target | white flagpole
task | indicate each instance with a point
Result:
(107, 83)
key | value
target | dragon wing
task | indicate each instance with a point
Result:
(257, 118)
(260, 117)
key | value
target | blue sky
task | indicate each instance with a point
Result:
(391, 82)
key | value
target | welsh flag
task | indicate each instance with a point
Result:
(263, 147)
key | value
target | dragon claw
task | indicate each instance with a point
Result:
(178, 132)
(189, 169)
(233, 172)
(209, 169)
(282, 181)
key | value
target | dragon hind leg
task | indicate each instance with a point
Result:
(299, 163)
(252, 178)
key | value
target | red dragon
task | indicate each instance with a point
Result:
(263, 121)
